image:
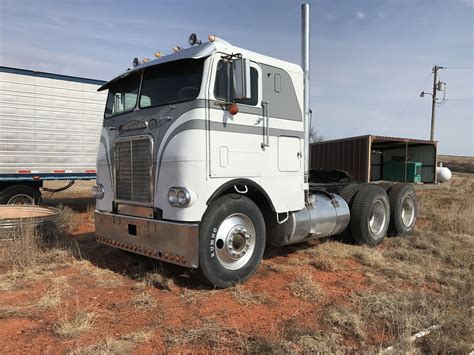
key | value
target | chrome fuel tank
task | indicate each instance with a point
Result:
(327, 215)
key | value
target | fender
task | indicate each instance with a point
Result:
(230, 184)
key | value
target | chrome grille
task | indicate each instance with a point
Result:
(133, 163)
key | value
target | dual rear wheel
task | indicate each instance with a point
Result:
(379, 209)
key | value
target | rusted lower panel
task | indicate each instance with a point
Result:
(351, 155)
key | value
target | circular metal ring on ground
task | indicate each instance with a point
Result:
(235, 241)
(13, 217)
(378, 218)
(408, 211)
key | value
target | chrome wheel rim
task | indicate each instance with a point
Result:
(235, 241)
(408, 211)
(378, 218)
(21, 199)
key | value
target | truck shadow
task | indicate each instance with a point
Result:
(136, 267)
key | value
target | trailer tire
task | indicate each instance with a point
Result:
(403, 209)
(348, 193)
(20, 194)
(231, 241)
(370, 215)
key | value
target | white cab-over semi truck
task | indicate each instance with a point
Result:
(203, 161)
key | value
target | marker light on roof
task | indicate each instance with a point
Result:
(146, 60)
(193, 39)
(176, 49)
(211, 38)
(158, 54)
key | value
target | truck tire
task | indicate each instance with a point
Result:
(370, 215)
(20, 195)
(348, 193)
(403, 209)
(231, 241)
(386, 186)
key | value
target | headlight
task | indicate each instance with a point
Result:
(172, 197)
(184, 197)
(98, 191)
(180, 197)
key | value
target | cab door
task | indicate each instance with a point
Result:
(235, 141)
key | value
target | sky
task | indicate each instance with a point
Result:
(370, 59)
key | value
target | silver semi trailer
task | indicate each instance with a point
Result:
(49, 130)
(203, 161)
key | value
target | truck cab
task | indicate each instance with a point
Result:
(202, 163)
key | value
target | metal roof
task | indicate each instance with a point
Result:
(375, 138)
(50, 75)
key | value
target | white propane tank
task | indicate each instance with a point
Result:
(443, 174)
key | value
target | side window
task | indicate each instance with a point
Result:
(223, 86)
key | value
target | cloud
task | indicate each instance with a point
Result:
(359, 16)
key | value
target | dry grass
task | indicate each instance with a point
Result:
(34, 250)
(305, 288)
(299, 337)
(344, 321)
(105, 278)
(246, 297)
(73, 327)
(8, 312)
(159, 277)
(122, 345)
(51, 299)
(220, 338)
(143, 301)
(325, 264)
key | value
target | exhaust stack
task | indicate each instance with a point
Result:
(305, 56)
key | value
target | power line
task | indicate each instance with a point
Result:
(458, 67)
(459, 99)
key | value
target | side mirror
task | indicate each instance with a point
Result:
(241, 73)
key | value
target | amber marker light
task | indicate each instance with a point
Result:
(233, 109)
(157, 55)
(211, 38)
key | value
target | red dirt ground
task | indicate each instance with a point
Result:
(181, 304)
(30, 329)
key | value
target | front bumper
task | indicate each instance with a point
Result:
(175, 243)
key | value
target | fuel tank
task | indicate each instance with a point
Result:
(327, 215)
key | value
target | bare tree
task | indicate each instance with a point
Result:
(314, 136)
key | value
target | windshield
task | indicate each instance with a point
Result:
(162, 84)
(171, 82)
(122, 95)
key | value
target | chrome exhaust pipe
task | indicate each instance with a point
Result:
(305, 64)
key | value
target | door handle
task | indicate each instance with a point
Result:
(266, 129)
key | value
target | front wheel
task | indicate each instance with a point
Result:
(231, 241)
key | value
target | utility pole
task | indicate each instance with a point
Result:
(433, 104)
